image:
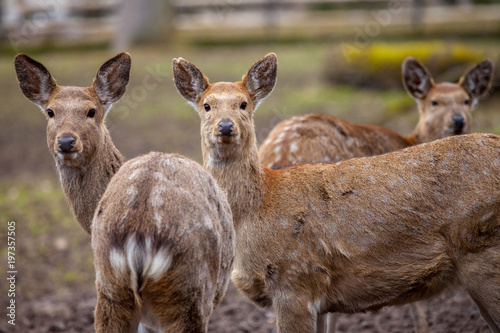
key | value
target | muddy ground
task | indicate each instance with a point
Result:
(453, 312)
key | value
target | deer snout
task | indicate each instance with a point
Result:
(225, 127)
(458, 122)
(66, 145)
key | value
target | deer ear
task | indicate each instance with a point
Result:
(261, 78)
(477, 80)
(189, 80)
(34, 79)
(112, 78)
(416, 78)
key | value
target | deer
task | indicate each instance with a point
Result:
(445, 109)
(85, 157)
(163, 243)
(151, 223)
(356, 235)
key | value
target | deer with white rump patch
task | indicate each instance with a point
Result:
(163, 237)
(78, 139)
(445, 109)
(353, 236)
(163, 242)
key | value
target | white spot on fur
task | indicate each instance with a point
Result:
(487, 216)
(136, 173)
(326, 159)
(277, 149)
(208, 223)
(277, 158)
(293, 147)
(160, 263)
(118, 261)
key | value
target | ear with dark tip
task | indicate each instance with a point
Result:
(34, 79)
(112, 78)
(477, 80)
(261, 78)
(189, 80)
(416, 78)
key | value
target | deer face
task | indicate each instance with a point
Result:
(226, 111)
(445, 108)
(226, 108)
(74, 125)
(75, 115)
(446, 111)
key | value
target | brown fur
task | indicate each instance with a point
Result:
(87, 170)
(319, 138)
(164, 207)
(360, 234)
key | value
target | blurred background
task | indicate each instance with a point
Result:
(338, 57)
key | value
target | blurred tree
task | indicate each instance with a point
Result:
(143, 21)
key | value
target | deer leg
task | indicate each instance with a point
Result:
(321, 323)
(419, 318)
(331, 322)
(293, 316)
(115, 315)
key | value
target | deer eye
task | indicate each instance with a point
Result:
(243, 105)
(466, 102)
(50, 113)
(91, 113)
(434, 103)
(207, 107)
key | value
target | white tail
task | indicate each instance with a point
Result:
(163, 243)
(353, 236)
(444, 108)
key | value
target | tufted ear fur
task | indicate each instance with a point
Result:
(477, 80)
(34, 79)
(112, 78)
(261, 78)
(416, 78)
(189, 80)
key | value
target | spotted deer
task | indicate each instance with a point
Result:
(444, 108)
(78, 139)
(353, 236)
(163, 242)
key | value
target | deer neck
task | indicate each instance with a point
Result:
(85, 185)
(239, 173)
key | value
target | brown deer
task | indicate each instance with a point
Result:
(78, 139)
(445, 110)
(163, 242)
(353, 236)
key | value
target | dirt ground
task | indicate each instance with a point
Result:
(453, 312)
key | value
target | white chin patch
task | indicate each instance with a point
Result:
(67, 156)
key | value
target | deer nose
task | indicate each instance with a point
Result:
(458, 121)
(225, 127)
(66, 144)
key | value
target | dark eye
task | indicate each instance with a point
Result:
(243, 105)
(434, 103)
(50, 113)
(91, 113)
(466, 102)
(207, 107)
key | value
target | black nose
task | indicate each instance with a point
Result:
(225, 127)
(66, 144)
(458, 121)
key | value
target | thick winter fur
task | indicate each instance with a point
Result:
(360, 234)
(444, 108)
(163, 242)
(86, 170)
